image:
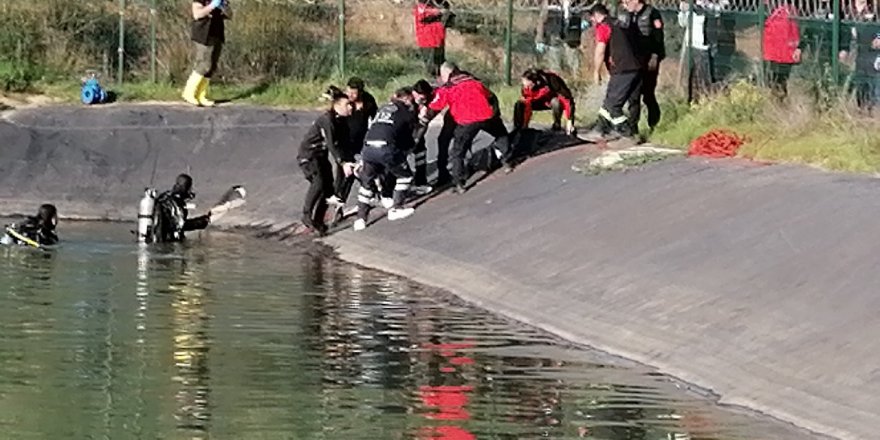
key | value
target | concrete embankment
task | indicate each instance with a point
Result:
(758, 283)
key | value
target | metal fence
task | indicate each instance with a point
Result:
(317, 39)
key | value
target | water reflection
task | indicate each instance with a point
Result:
(227, 337)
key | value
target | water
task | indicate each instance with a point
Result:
(229, 337)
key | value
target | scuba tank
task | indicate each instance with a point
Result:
(145, 215)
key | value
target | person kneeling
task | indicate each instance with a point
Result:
(38, 230)
(544, 90)
(388, 141)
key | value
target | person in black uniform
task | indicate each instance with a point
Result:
(363, 109)
(388, 141)
(39, 228)
(208, 34)
(647, 23)
(423, 93)
(327, 136)
(170, 217)
(615, 48)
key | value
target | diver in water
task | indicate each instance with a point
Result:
(38, 230)
(170, 216)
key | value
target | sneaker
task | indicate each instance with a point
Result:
(335, 201)
(400, 213)
(387, 202)
(360, 224)
(422, 190)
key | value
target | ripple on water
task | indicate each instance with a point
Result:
(234, 338)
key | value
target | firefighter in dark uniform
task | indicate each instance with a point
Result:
(473, 108)
(388, 141)
(648, 23)
(615, 48)
(423, 94)
(327, 136)
(544, 90)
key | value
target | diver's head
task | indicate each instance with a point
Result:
(47, 216)
(183, 186)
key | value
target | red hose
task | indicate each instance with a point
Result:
(717, 144)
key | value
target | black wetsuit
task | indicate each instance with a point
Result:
(326, 136)
(33, 229)
(170, 218)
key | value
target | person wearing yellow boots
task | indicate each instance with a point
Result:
(208, 36)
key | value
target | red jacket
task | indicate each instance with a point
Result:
(551, 86)
(430, 31)
(467, 99)
(782, 36)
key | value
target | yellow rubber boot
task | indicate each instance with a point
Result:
(192, 88)
(202, 93)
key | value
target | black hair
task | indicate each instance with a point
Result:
(47, 215)
(533, 75)
(598, 8)
(183, 185)
(356, 83)
(334, 94)
(423, 88)
(403, 93)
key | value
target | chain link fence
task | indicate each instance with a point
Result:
(268, 40)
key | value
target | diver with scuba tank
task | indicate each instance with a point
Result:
(36, 231)
(165, 218)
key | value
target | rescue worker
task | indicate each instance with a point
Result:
(327, 136)
(782, 41)
(170, 218)
(39, 229)
(363, 109)
(432, 17)
(615, 49)
(208, 34)
(388, 141)
(647, 24)
(471, 105)
(423, 94)
(544, 90)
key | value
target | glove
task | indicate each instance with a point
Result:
(540, 47)
(877, 64)
(215, 4)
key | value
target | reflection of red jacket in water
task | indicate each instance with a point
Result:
(448, 402)
(430, 31)
(782, 36)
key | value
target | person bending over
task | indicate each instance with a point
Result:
(544, 90)
(363, 109)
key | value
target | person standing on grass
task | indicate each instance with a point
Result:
(208, 35)
(327, 136)
(866, 35)
(558, 36)
(703, 43)
(432, 17)
(782, 39)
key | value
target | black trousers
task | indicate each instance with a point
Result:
(777, 78)
(464, 138)
(444, 140)
(433, 58)
(341, 183)
(395, 176)
(621, 89)
(648, 94)
(319, 173)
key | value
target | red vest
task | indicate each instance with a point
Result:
(433, 33)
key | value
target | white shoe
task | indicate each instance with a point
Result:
(360, 224)
(400, 213)
(387, 202)
(422, 190)
(334, 201)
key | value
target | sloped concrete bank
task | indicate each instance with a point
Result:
(758, 283)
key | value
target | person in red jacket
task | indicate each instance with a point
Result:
(470, 104)
(431, 19)
(781, 47)
(544, 90)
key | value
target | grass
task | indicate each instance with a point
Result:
(839, 138)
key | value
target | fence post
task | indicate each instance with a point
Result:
(689, 35)
(341, 65)
(120, 49)
(508, 45)
(153, 14)
(762, 18)
(835, 44)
